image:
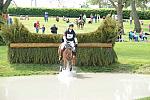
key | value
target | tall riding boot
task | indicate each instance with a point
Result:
(61, 54)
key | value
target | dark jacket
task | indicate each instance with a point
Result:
(70, 36)
(54, 29)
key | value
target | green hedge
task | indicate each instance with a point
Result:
(17, 33)
(73, 12)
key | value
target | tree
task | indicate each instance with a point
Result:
(118, 5)
(96, 2)
(135, 16)
(142, 4)
(4, 6)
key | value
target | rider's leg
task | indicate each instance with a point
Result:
(74, 58)
(61, 51)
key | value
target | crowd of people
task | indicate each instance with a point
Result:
(54, 28)
(134, 36)
(37, 27)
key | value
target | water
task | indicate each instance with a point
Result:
(75, 86)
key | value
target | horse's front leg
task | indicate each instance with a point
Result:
(73, 61)
(65, 63)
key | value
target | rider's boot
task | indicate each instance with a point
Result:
(60, 56)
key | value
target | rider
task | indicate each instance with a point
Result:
(70, 38)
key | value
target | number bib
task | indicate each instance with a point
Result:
(69, 36)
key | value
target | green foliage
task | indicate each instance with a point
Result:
(17, 33)
(1, 41)
(74, 12)
(1, 23)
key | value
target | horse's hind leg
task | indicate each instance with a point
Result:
(65, 64)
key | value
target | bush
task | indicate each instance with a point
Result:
(17, 33)
(1, 23)
(74, 12)
(1, 41)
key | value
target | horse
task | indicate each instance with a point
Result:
(80, 23)
(68, 59)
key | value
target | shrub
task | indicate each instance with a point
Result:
(17, 33)
(74, 12)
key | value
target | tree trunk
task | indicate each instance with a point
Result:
(120, 14)
(6, 5)
(100, 4)
(119, 9)
(1, 6)
(135, 17)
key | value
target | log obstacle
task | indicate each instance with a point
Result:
(55, 45)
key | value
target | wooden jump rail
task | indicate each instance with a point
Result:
(43, 45)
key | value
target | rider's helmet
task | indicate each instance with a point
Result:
(71, 25)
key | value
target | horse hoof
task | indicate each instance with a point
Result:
(71, 69)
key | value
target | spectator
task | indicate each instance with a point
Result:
(120, 35)
(46, 16)
(142, 23)
(90, 21)
(142, 36)
(43, 29)
(135, 36)
(130, 20)
(104, 17)
(57, 18)
(54, 29)
(64, 18)
(131, 35)
(26, 17)
(67, 20)
(91, 17)
(95, 18)
(80, 17)
(9, 21)
(37, 26)
(98, 17)
(84, 18)
(116, 17)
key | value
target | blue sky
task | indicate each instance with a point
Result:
(50, 3)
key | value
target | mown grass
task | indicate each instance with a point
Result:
(132, 58)
(62, 26)
(147, 98)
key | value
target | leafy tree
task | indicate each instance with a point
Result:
(96, 2)
(118, 5)
(4, 6)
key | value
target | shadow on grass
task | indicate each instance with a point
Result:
(114, 68)
(35, 67)
(30, 69)
(43, 69)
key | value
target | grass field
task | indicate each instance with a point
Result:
(62, 26)
(147, 98)
(132, 58)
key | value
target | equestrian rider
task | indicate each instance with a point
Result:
(70, 38)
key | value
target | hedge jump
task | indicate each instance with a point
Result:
(43, 45)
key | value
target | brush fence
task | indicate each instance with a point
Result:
(88, 54)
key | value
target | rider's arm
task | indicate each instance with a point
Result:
(75, 39)
(64, 37)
